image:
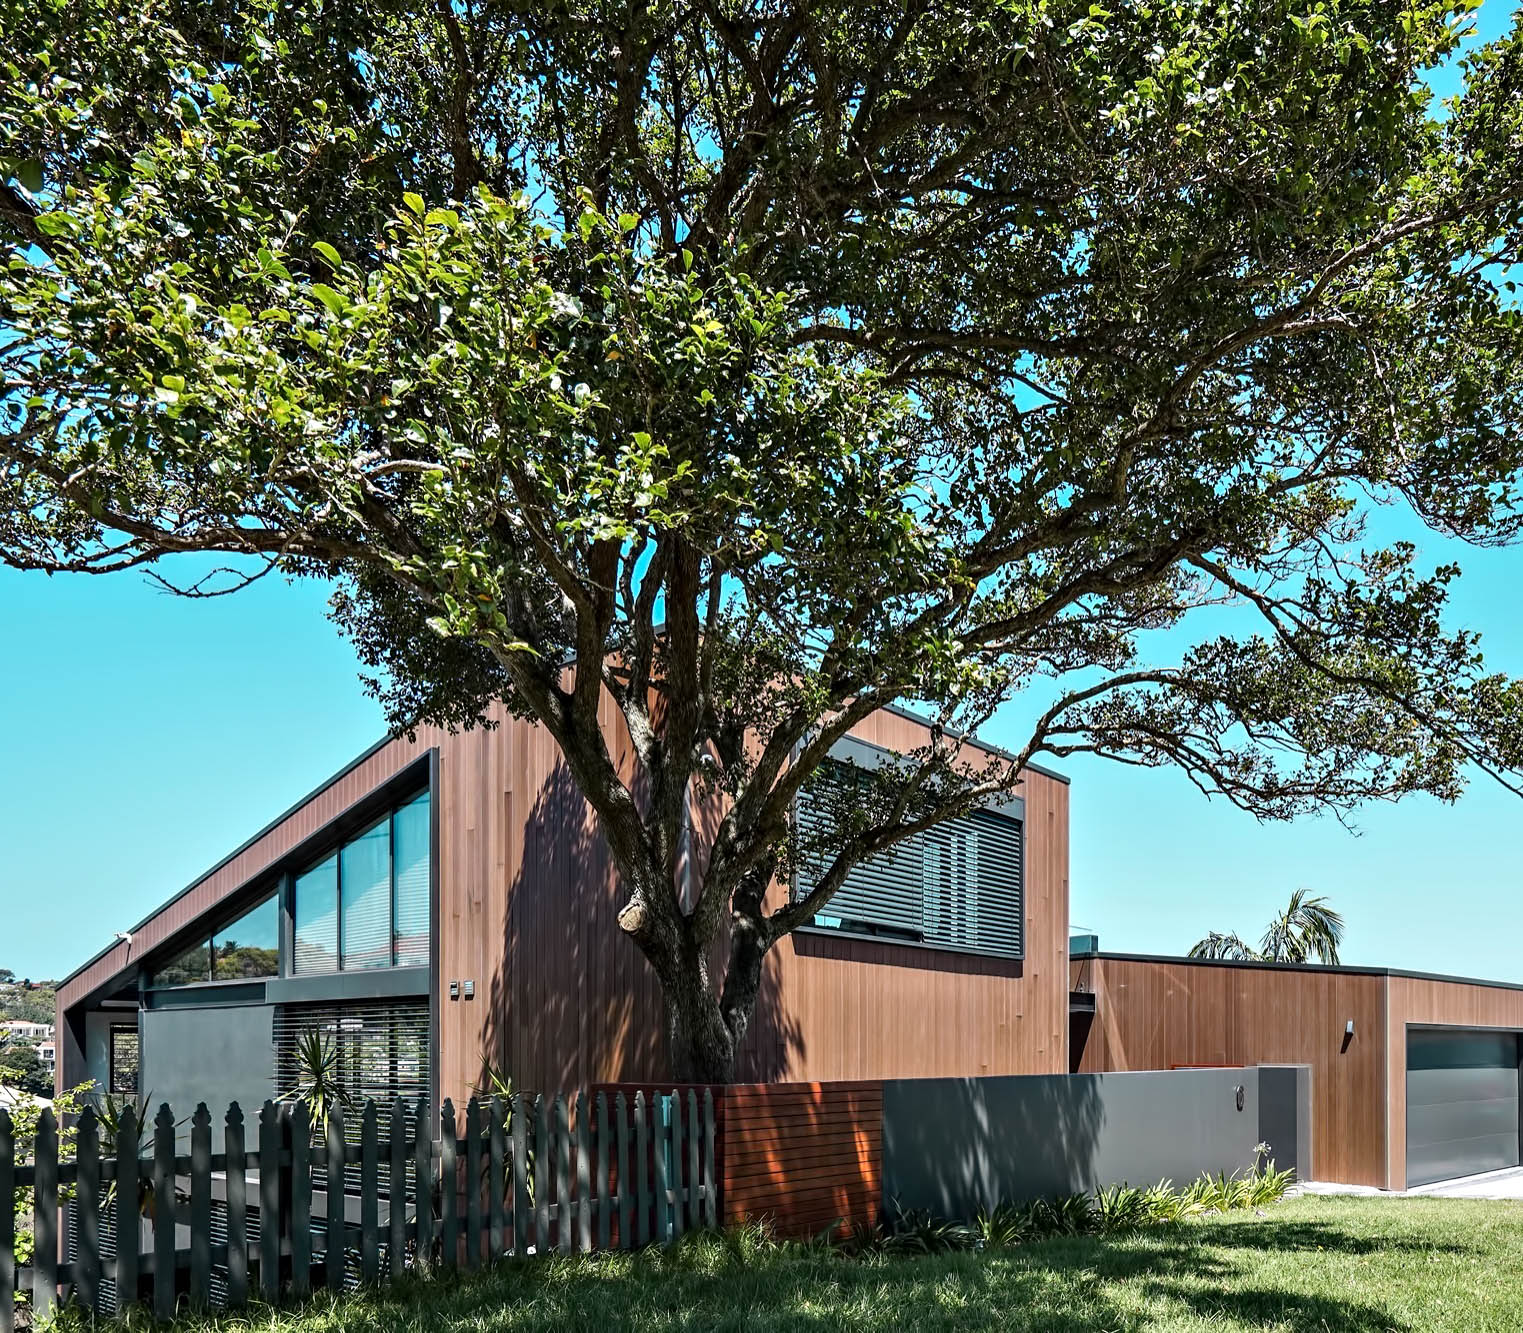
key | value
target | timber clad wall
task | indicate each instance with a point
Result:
(527, 912)
(803, 1155)
(1159, 1013)
(1418, 1001)
(529, 904)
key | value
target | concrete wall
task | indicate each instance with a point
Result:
(956, 1146)
(212, 1055)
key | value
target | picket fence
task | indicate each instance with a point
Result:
(298, 1210)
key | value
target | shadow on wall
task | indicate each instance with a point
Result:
(960, 1145)
(572, 1000)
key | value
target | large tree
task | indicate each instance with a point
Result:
(755, 364)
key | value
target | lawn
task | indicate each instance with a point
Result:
(1327, 1264)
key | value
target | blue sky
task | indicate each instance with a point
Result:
(146, 736)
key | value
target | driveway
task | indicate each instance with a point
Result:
(1506, 1184)
(1493, 1185)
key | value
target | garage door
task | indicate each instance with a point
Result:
(1462, 1104)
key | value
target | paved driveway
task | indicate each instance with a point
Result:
(1493, 1185)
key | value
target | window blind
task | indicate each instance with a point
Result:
(959, 884)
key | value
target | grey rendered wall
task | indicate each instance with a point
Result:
(1285, 1116)
(212, 1055)
(958, 1145)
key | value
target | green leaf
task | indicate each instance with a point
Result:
(54, 224)
(29, 173)
(628, 222)
(175, 382)
(330, 298)
(414, 202)
(327, 252)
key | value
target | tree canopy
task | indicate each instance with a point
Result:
(756, 364)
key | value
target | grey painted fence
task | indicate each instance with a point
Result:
(956, 1146)
(277, 1210)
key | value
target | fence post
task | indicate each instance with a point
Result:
(270, 1124)
(605, 1147)
(200, 1207)
(129, 1231)
(562, 1134)
(7, 1223)
(449, 1184)
(694, 1180)
(423, 1181)
(163, 1213)
(333, 1255)
(710, 1181)
(86, 1209)
(370, 1195)
(624, 1174)
(583, 1177)
(642, 1165)
(542, 1177)
(496, 1165)
(296, 1201)
(674, 1169)
(520, 1174)
(237, 1208)
(472, 1183)
(396, 1207)
(663, 1138)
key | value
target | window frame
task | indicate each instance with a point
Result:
(385, 813)
(864, 754)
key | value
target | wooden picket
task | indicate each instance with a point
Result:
(539, 1174)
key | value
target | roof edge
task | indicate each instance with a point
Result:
(1340, 969)
(369, 753)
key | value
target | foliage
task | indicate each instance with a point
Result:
(29, 1003)
(319, 1086)
(1307, 929)
(21, 1067)
(496, 1083)
(749, 368)
(26, 1113)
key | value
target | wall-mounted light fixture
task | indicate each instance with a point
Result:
(1349, 1030)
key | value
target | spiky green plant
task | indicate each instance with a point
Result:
(319, 1084)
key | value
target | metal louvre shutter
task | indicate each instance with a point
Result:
(383, 1054)
(960, 884)
(885, 890)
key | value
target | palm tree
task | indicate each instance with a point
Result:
(1307, 930)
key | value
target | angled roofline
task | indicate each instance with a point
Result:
(369, 753)
(1339, 969)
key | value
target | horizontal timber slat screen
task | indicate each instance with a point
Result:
(278, 1207)
(803, 1156)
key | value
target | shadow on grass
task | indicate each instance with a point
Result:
(1326, 1236)
(1075, 1285)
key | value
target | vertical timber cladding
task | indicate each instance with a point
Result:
(1417, 1002)
(561, 999)
(1160, 1013)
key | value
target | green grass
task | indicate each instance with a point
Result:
(1335, 1265)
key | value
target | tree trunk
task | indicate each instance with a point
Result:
(701, 1044)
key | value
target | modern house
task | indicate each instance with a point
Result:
(1415, 1078)
(444, 905)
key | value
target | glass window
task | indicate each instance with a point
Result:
(410, 842)
(124, 1061)
(365, 879)
(317, 918)
(250, 946)
(191, 966)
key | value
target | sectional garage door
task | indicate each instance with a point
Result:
(1462, 1104)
